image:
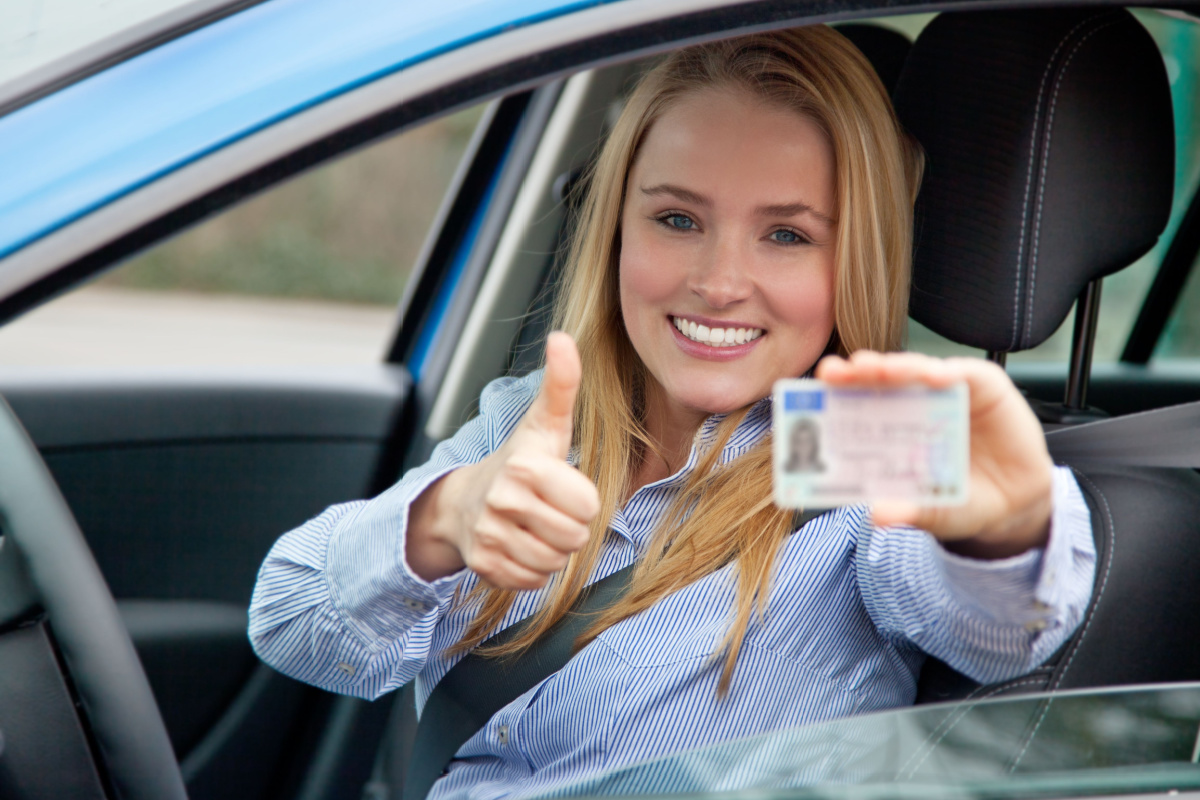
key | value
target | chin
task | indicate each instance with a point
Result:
(718, 402)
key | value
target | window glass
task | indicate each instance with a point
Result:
(309, 272)
(34, 33)
(1181, 338)
(1179, 39)
(1088, 743)
(1123, 293)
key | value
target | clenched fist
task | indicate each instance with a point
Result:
(515, 517)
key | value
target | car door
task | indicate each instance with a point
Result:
(181, 475)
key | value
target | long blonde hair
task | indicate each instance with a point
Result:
(724, 514)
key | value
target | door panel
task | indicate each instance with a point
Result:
(196, 657)
(181, 482)
(195, 520)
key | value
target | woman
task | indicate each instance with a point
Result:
(750, 212)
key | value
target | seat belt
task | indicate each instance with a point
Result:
(476, 688)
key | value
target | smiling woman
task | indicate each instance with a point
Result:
(762, 188)
(697, 247)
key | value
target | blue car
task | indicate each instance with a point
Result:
(136, 505)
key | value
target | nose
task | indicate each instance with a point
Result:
(720, 276)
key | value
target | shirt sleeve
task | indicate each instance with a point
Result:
(336, 604)
(990, 620)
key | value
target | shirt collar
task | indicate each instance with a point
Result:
(749, 432)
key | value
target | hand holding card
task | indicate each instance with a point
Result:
(1009, 483)
(848, 445)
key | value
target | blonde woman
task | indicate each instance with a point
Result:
(750, 212)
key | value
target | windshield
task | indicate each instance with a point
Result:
(35, 34)
(1065, 744)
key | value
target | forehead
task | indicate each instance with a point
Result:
(729, 135)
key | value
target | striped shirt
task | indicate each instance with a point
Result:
(850, 615)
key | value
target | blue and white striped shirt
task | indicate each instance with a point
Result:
(850, 615)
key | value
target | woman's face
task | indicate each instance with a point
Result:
(727, 231)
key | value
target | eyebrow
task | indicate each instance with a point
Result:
(794, 209)
(686, 195)
(776, 210)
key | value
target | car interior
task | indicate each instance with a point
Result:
(1051, 164)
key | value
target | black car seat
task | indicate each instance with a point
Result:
(1049, 139)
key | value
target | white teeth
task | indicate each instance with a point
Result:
(716, 337)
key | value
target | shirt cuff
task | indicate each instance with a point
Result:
(370, 582)
(1025, 589)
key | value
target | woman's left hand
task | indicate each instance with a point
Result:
(1009, 497)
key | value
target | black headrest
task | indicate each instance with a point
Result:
(1050, 154)
(885, 48)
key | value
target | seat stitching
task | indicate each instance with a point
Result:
(1108, 559)
(1037, 110)
(1037, 227)
(961, 711)
(1024, 680)
(1112, 542)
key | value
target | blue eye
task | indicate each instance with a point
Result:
(787, 237)
(675, 221)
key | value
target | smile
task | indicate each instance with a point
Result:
(716, 337)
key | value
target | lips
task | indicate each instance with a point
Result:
(713, 336)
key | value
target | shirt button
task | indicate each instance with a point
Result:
(1038, 605)
(1036, 625)
(415, 605)
(502, 734)
(346, 668)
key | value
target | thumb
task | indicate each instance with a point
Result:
(554, 407)
(886, 513)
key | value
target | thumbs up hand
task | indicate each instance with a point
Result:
(515, 517)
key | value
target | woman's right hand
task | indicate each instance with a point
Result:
(515, 517)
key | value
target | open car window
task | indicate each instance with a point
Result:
(310, 272)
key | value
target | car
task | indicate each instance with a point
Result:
(137, 503)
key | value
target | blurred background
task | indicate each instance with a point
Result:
(308, 272)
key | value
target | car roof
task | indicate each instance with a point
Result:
(259, 75)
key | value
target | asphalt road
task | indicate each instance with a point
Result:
(98, 326)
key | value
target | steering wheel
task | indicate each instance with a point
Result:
(77, 716)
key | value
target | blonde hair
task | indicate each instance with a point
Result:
(724, 514)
